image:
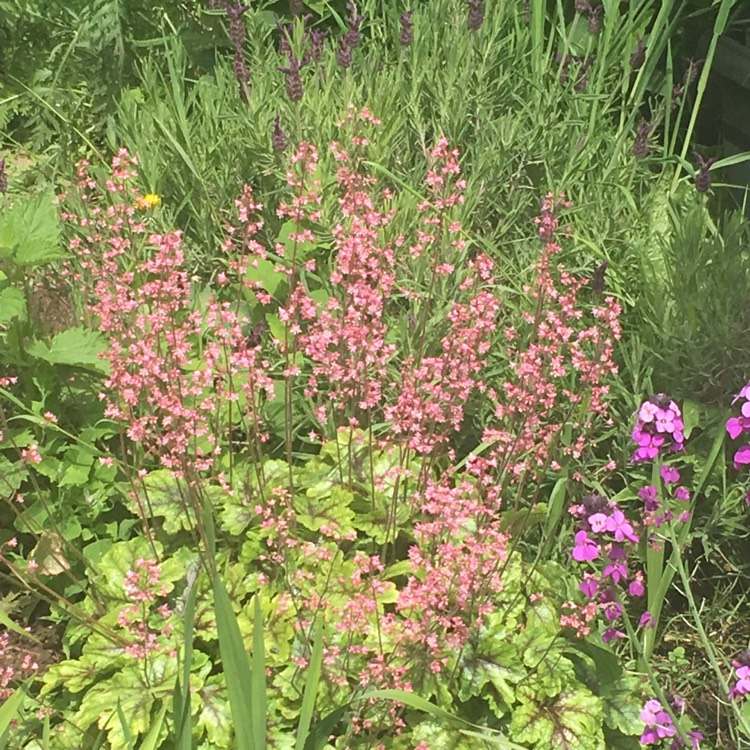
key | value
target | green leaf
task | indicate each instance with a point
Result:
(297, 250)
(151, 740)
(311, 688)
(12, 305)
(325, 505)
(621, 708)
(161, 495)
(30, 231)
(264, 271)
(215, 717)
(237, 671)
(182, 700)
(573, 719)
(258, 694)
(11, 710)
(78, 347)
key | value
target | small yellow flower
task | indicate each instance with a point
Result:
(148, 201)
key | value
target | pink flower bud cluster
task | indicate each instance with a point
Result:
(15, 665)
(659, 425)
(148, 628)
(170, 364)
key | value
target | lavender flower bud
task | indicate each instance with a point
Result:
(242, 74)
(279, 140)
(640, 146)
(639, 54)
(354, 22)
(582, 6)
(595, 19)
(703, 176)
(293, 82)
(693, 71)
(344, 53)
(317, 37)
(406, 35)
(3, 177)
(476, 14)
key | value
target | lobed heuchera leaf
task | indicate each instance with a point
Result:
(621, 712)
(439, 737)
(325, 507)
(136, 692)
(572, 721)
(214, 717)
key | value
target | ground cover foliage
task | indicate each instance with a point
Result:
(372, 376)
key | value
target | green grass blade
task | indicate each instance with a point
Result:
(10, 710)
(258, 694)
(319, 734)
(312, 681)
(182, 699)
(236, 668)
(125, 728)
(151, 740)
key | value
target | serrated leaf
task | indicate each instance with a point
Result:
(78, 347)
(30, 231)
(12, 305)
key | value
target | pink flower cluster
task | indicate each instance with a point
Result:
(13, 666)
(659, 425)
(347, 341)
(170, 364)
(659, 725)
(143, 587)
(560, 366)
(736, 426)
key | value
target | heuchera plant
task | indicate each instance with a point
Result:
(400, 550)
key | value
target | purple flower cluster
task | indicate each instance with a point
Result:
(659, 725)
(742, 671)
(657, 512)
(738, 425)
(659, 424)
(606, 533)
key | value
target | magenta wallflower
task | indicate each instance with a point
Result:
(659, 423)
(669, 474)
(659, 725)
(736, 426)
(586, 548)
(742, 671)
